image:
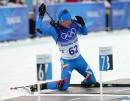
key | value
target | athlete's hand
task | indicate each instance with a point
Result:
(80, 20)
(42, 9)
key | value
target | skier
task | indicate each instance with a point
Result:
(64, 32)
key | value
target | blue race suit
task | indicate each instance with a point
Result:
(66, 39)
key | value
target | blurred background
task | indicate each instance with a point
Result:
(108, 24)
(99, 15)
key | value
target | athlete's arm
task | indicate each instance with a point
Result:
(81, 25)
(45, 31)
(40, 28)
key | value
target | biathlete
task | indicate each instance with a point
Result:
(64, 32)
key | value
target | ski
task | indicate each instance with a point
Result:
(33, 88)
(78, 85)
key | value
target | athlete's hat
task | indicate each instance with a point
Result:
(64, 16)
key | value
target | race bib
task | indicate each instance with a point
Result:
(69, 50)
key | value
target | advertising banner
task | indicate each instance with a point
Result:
(13, 23)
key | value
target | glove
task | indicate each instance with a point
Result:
(80, 20)
(42, 9)
(53, 23)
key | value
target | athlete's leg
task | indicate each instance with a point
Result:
(62, 84)
(84, 69)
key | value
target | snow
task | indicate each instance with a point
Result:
(18, 59)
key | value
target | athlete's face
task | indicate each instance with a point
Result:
(66, 24)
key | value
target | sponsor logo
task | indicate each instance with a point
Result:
(118, 12)
(13, 20)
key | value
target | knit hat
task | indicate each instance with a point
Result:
(64, 16)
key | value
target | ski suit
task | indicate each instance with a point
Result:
(71, 59)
